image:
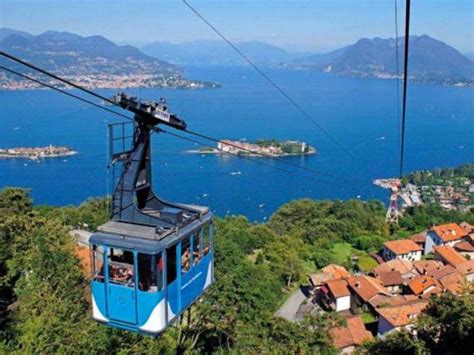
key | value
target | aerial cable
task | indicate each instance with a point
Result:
(397, 61)
(272, 157)
(169, 133)
(257, 161)
(34, 67)
(273, 83)
(64, 92)
(405, 82)
(103, 98)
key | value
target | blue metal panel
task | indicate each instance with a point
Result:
(121, 302)
(146, 303)
(98, 292)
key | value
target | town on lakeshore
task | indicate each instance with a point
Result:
(452, 189)
(36, 153)
(271, 148)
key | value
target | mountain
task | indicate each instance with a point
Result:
(205, 52)
(430, 60)
(91, 61)
(469, 55)
(5, 32)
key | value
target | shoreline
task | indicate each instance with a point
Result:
(36, 157)
(262, 155)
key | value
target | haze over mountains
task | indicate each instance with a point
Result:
(431, 60)
(91, 61)
(97, 62)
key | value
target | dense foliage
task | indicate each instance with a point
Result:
(452, 176)
(44, 291)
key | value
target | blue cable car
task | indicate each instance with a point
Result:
(153, 258)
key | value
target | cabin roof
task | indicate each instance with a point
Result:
(137, 237)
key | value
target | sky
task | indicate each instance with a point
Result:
(297, 25)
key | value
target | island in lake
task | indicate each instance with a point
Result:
(36, 152)
(268, 147)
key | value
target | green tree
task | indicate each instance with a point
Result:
(447, 324)
(399, 342)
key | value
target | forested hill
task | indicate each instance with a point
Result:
(45, 304)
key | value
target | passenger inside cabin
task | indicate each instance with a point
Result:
(186, 260)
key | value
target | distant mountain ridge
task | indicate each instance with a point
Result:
(93, 61)
(211, 52)
(430, 61)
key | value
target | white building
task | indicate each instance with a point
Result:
(404, 249)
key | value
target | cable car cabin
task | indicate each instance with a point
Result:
(144, 283)
(154, 258)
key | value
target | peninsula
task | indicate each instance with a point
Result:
(271, 148)
(36, 153)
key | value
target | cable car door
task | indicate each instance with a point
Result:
(172, 281)
(121, 285)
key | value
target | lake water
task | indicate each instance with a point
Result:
(359, 113)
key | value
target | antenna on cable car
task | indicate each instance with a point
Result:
(153, 258)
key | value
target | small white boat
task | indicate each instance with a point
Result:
(205, 195)
(233, 173)
(261, 205)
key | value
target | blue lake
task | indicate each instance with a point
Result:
(359, 113)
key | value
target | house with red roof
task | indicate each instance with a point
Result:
(348, 337)
(398, 317)
(449, 256)
(404, 249)
(335, 294)
(445, 235)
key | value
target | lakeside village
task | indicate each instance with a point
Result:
(272, 148)
(390, 296)
(451, 193)
(36, 153)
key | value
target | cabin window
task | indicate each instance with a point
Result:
(150, 272)
(207, 239)
(98, 263)
(121, 267)
(197, 248)
(171, 264)
(186, 255)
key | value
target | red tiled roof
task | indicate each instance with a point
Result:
(405, 314)
(319, 278)
(421, 284)
(419, 238)
(441, 272)
(452, 282)
(402, 246)
(338, 287)
(464, 247)
(402, 266)
(388, 301)
(449, 255)
(354, 333)
(466, 226)
(425, 266)
(390, 278)
(450, 232)
(366, 287)
(337, 271)
(467, 268)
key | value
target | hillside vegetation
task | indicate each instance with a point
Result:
(45, 302)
